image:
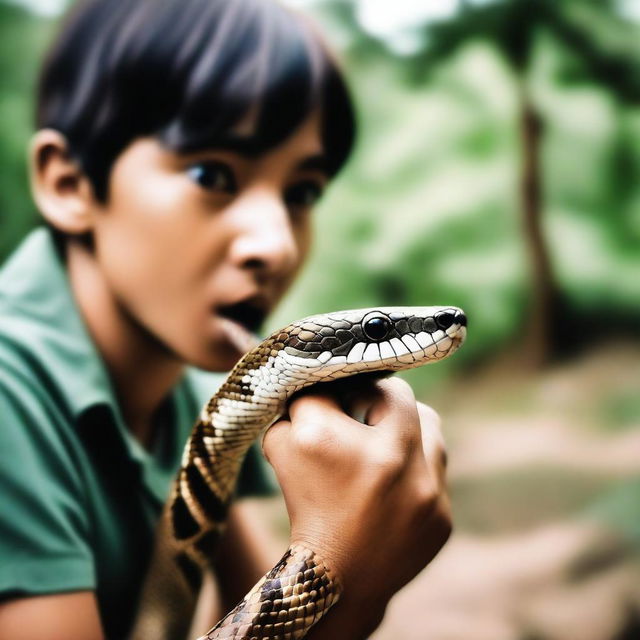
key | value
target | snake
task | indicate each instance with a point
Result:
(301, 588)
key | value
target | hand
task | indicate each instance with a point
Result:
(368, 498)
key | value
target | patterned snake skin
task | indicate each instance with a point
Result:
(300, 589)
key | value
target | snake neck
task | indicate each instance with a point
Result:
(249, 401)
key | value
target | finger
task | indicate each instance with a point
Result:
(430, 428)
(433, 444)
(394, 413)
(274, 441)
(310, 405)
(390, 397)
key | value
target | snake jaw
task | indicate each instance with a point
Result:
(344, 343)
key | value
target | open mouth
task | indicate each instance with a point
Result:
(246, 314)
(241, 322)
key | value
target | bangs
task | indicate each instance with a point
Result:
(196, 74)
(266, 80)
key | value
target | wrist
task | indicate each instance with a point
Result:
(357, 612)
(349, 619)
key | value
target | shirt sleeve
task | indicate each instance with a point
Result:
(44, 535)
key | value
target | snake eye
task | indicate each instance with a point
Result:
(377, 328)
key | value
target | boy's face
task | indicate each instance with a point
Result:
(196, 248)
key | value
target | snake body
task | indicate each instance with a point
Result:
(300, 589)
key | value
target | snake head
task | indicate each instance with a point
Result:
(380, 339)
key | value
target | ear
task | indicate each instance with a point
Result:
(60, 189)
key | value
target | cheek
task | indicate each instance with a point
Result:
(149, 245)
(304, 239)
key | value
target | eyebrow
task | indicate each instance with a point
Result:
(250, 148)
(317, 162)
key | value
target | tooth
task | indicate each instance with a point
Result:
(398, 346)
(411, 343)
(386, 351)
(423, 339)
(371, 353)
(355, 355)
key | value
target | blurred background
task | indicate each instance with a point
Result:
(497, 169)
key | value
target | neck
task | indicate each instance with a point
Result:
(141, 368)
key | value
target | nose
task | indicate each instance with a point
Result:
(265, 241)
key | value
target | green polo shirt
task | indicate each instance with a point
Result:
(79, 496)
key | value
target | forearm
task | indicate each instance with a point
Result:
(248, 550)
(208, 609)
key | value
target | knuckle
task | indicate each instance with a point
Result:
(312, 437)
(317, 441)
(387, 463)
(434, 516)
(303, 403)
(426, 498)
(399, 392)
(397, 385)
(430, 495)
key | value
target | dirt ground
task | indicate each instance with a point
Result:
(545, 481)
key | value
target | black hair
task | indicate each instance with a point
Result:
(187, 72)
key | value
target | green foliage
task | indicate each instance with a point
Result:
(428, 209)
(21, 44)
(619, 508)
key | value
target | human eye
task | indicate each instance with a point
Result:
(304, 194)
(213, 176)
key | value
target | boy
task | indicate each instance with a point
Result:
(181, 145)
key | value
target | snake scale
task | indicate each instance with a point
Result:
(300, 589)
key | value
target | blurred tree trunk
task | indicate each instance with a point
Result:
(537, 342)
(606, 50)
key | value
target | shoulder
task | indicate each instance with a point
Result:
(37, 436)
(45, 348)
(28, 381)
(37, 424)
